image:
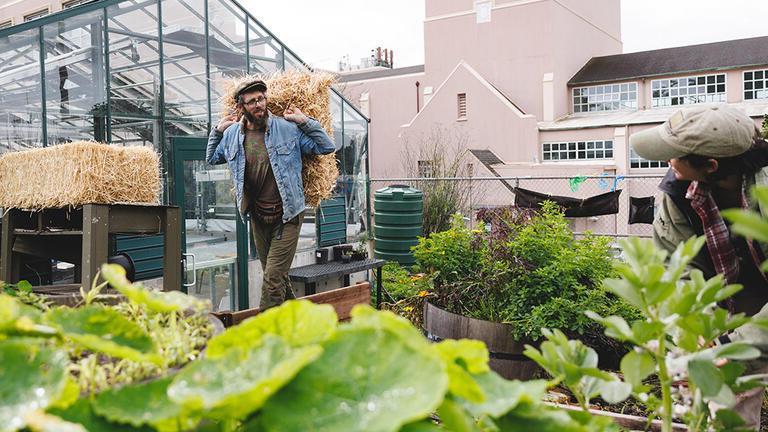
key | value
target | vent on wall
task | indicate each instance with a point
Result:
(462, 105)
(6, 24)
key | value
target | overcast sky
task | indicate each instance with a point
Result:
(322, 32)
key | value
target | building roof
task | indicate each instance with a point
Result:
(379, 73)
(486, 157)
(730, 54)
(638, 117)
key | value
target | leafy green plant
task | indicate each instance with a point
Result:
(676, 339)
(449, 255)
(288, 369)
(529, 270)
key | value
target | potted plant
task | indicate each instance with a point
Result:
(503, 282)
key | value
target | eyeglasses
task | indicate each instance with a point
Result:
(255, 101)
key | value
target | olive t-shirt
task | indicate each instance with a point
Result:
(260, 193)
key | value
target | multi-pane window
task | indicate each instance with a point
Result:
(577, 150)
(635, 161)
(611, 97)
(36, 15)
(688, 90)
(73, 3)
(756, 85)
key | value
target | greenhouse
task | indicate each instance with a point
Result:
(150, 73)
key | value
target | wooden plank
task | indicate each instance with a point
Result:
(628, 422)
(172, 249)
(6, 248)
(342, 300)
(95, 241)
(136, 219)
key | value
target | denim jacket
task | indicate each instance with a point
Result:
(286, 142)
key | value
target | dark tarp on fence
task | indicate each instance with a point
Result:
(598, 205)
(641, 210)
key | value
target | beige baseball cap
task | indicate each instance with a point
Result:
(714, 131)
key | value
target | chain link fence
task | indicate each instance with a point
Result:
(488, 192)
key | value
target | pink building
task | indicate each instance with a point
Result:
(540, 88)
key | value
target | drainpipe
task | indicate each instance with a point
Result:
(417, 97)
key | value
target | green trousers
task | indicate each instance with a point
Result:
(276, 245)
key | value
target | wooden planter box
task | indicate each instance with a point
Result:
(506, 353)
(342, 300)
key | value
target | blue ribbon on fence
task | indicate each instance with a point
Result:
(615, 181)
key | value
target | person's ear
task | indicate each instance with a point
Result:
(712, 166)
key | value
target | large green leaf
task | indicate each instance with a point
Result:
(366, 380)
(364, 316)
(298, 322)
(542, 419)
(502, 396)
(19, 319)
(158, 301)
(104, 330)
(421, 426)
(238, 383)
(706, 376)
(462, 359)
(455, 418)
(143, 404)
(31, 378)
(82, 413)
(636, 366)
(747, 223)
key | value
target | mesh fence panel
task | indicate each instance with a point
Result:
(474, 193)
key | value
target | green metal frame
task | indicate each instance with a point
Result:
(192, 149)
(195, 145)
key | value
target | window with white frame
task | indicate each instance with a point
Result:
(577, 150)
(635, 161)
(36, 15)
(688, 90)
(609, 97)
(6, 24)
(756, 84)
(73, 3)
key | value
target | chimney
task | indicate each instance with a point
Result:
(391, 58)
(378, 56)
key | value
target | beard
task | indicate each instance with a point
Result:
(257, 123)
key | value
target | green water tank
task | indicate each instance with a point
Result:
(397, 222)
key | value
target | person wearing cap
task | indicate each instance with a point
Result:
(716, 156)
(264, 155)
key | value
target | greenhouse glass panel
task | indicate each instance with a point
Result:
(20, 92)
(135, 132)
(293, 63)
(265, 52)
(75, 79)
(226, 48)
(184, 60)
(134, 58)
(352, 178)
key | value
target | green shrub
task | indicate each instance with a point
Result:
(449, 255)
(400, 283)
(527, 271)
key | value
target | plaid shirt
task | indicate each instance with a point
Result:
(718, 238)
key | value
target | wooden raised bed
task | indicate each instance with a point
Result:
(342, 300)
(506, 353)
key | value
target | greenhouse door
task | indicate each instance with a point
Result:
(214, 239)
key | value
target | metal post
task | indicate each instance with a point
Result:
(44, 119)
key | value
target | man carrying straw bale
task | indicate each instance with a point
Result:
(264, 154)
